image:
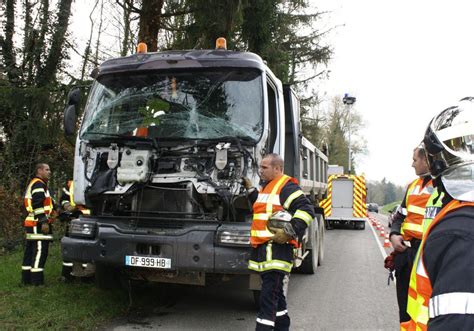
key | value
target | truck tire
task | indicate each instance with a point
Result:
(310, 263)
(362, 226)
(322, 230)
(106, 277)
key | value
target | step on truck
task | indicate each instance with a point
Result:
(164, 141)
(346, 201)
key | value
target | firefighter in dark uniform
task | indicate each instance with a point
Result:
(441, 293)
(69, 211)
(407, 228)
(39, 205)
(273, 248)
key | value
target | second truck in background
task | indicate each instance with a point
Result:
(346, 201)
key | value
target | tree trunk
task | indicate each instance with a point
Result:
(150, 17)
(127, 11)
(39, 46)
(97, 45)
(87, 51)
(9, 57)
(56, 53)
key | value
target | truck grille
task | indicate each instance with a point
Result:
(146, 249)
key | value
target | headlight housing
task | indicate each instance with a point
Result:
(82, 228)
(233, 238)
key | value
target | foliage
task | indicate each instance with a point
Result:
(331, 129)
(11, 217)
(55, 306)
(384, 192)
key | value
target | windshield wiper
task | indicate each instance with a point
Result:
(228, 138)
(115, 137)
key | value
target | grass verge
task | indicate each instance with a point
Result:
(56, 305)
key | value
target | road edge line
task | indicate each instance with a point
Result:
(382, 250)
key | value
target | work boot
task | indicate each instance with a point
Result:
(37, 278)
(26, 277)
(282, 323)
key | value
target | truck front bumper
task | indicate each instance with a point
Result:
(202, 247)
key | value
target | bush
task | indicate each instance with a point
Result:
(11, 219)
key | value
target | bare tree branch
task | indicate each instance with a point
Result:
(130, 6)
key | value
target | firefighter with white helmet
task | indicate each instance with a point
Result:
(441, 293)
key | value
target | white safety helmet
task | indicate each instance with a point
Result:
(279, 219)
(449, 143)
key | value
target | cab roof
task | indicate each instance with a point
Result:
(169, 60)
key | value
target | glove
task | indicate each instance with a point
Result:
(389, 262)
(279, 236)
(246, 183)
(43, 224)
(45, 228)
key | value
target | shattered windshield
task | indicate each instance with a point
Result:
(199, 104)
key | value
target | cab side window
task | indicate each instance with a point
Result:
(272, 116)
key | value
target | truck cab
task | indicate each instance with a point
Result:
(163, 144)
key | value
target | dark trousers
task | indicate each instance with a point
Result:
(67, 269)
(273, 314)
(34, 260)
(403, 265)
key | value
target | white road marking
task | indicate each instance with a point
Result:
(382, 250)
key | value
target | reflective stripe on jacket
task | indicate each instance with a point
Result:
(432, 208)
(47, 207)
(421, 306)
(273, 260)
(416, 198)
(268, 202)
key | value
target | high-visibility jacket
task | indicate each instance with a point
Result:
(416, 198)
(268, 202)
(433, 207)
(37, 186)
(420, 289)
(69, 191)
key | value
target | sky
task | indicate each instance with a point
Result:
(404, 61)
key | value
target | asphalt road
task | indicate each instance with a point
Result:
(348, 292)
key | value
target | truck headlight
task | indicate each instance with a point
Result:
(82, 228)
(233, 238)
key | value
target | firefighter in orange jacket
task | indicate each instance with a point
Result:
(407, 229)
(70, 210)
(441, 293)
(272, 248)
(39, 205)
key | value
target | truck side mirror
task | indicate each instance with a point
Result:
(74, 96)
(70, 114)
(70, 119)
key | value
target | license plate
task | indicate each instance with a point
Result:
(148, 262)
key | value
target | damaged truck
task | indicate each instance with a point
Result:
(163, 144)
